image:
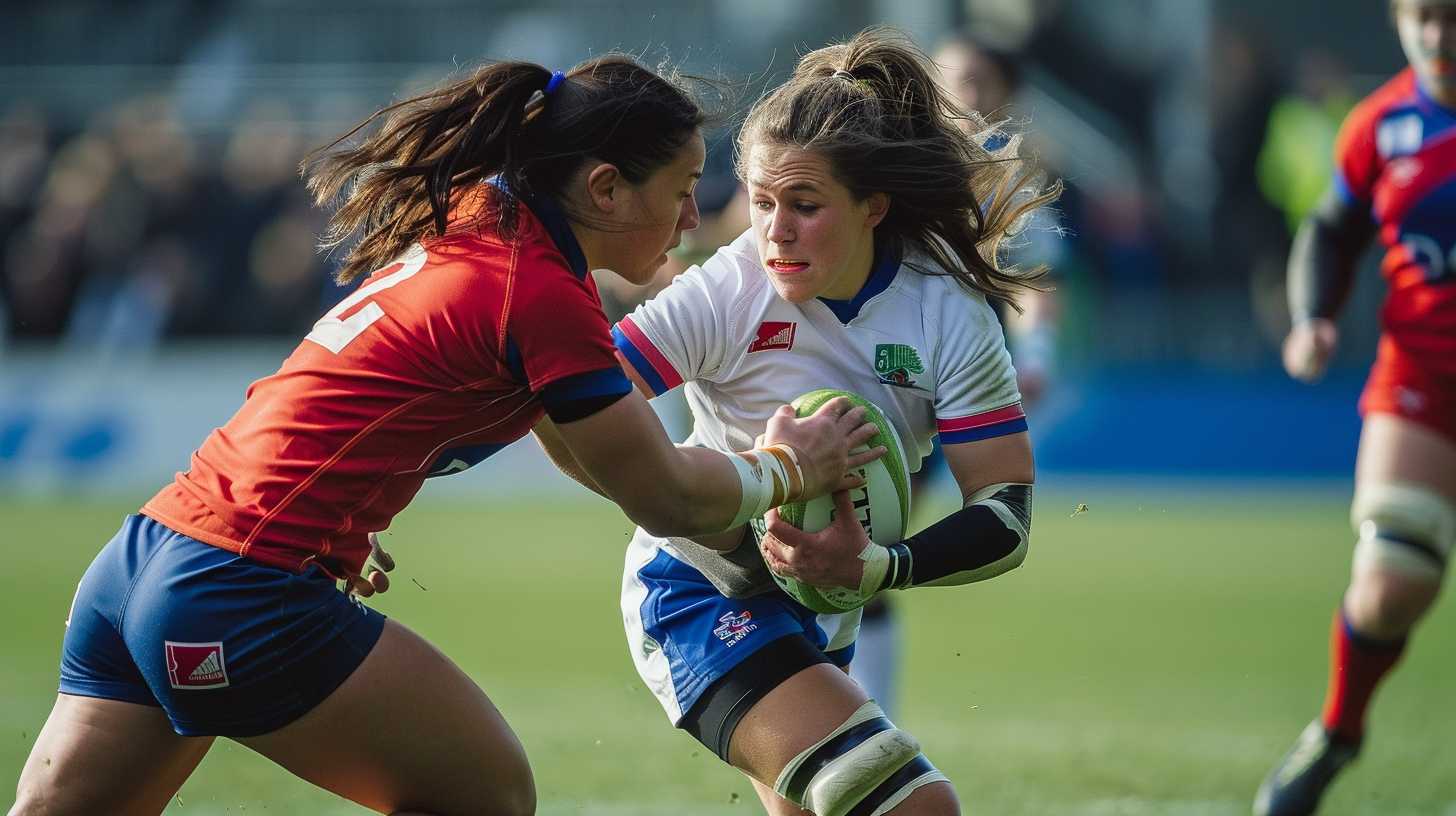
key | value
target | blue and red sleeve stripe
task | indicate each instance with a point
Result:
(985, 425)
(645, 359)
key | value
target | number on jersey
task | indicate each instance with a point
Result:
(334, 333)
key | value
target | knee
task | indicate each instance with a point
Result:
(490, 794)
(31, 800)
(1405, 530)
(519, 800)
(1385, 607)
(877, 773)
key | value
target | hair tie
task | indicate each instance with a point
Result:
(536, 102)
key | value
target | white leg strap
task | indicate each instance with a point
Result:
(860, 759)
(1404, 528)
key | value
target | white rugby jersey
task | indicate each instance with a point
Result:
(926, 350)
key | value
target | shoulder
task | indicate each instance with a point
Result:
(730, 279)
(1397, 94)
(943, 297)
(735, 266)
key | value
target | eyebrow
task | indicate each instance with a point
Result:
(797, 186)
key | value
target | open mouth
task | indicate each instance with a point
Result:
(787, 265)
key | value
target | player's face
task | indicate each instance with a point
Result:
(814, 238)
(661, 209)
(1427, 31)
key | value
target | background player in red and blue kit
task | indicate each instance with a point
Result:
(1395, 178)
(482, 205)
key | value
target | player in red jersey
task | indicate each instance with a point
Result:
(1395, 178)
(214, 612)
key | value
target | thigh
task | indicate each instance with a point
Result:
(792, 717)
(105, 756)
(1395, 450)
(408, 730)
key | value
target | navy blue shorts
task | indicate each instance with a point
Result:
(225, 645)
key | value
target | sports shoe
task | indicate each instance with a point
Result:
(1295, 786)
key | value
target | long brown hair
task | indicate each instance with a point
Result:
(870, 108)
(400, 182)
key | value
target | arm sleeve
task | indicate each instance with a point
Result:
(680, 334)
(975, 392)
(1326, 251)
(985, 538)
(1331, 239)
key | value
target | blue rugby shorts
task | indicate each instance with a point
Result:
(224, 645)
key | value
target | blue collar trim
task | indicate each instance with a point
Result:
(882, 273)
(554, 219)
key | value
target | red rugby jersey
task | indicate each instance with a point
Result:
(432, 364)
(1396, 155)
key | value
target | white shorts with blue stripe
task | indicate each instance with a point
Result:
(684, 635)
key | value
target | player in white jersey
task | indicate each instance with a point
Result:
(867, 268)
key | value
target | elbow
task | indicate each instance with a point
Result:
(1018, 555)
(673, 512)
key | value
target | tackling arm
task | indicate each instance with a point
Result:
(682, 491)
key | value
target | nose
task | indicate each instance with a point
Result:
(780, 226)
(690, 217)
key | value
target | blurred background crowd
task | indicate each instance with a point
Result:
(149, 150)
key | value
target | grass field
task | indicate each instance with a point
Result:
(1155, 654)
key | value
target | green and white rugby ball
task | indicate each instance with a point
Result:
(882, 504)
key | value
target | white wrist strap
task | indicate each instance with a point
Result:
(769, 476)
(876, 560)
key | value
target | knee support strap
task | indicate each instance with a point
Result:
(1404, 528)
(865, 766)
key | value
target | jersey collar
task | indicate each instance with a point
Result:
(553, 218)
(882, 272)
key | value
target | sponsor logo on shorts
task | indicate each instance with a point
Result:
(196, 665)
(897, 364)
(1410, 400)
(773, 334)
(734, 626)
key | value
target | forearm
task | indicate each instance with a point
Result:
(1323, 259)
(713, 488)
(987, 537)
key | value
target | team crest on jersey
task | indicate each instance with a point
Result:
(897, 364)
(196, 665)
(734, 626)
(772, 335)
(1399, 136)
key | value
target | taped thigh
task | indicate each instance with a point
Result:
(865, 767)
(1404, 528)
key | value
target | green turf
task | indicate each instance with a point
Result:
(1155, 654)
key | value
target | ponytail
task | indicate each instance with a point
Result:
(516, 120)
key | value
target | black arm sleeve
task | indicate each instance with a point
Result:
(972, 544)
(1322, 261)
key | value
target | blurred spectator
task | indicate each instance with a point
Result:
(1299, 142)
(985, 79)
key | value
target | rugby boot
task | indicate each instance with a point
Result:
(1295, 786)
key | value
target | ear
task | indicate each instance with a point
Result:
(604, 187)
(877, 205)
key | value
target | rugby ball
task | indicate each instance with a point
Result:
(882, 504)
